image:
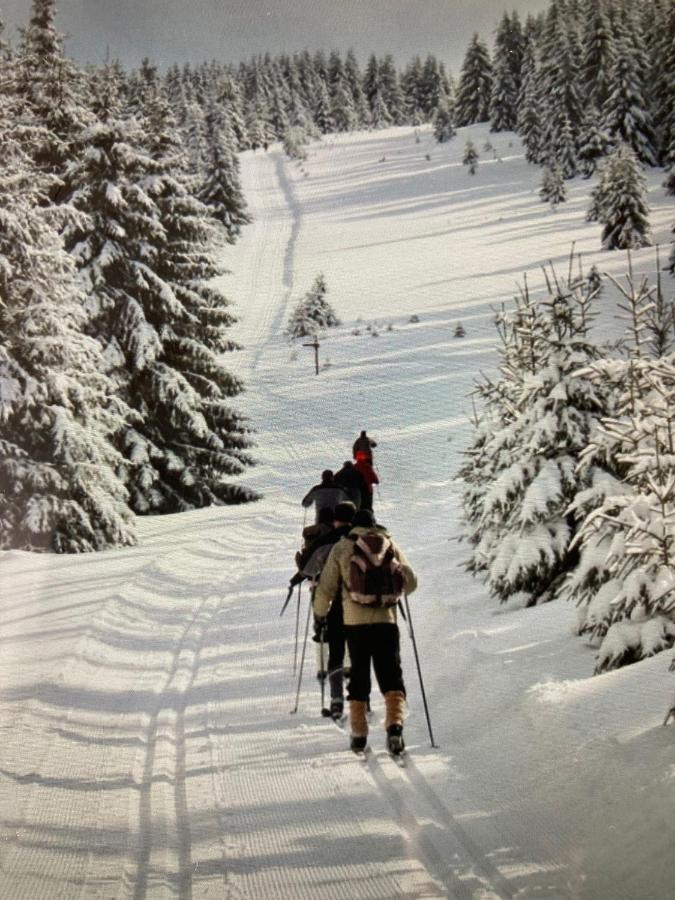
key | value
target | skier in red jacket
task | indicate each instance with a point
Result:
(364, 444)
(364, 467)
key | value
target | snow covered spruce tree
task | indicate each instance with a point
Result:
(529, 108)
(507, 62)
(592, 143)
(599, 52)
(624, 584)
(313, 312)
(518, 511)
(475, 85)
(142, 248)
(553, 188)
(619, 202)
(470, 157)
(560, 89)
(221, 188)
(49, 90)
(59, 487)
(444, 120)
(626, 112)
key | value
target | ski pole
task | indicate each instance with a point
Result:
(323, 676)
(297, 629)
(302, 658)
(419, 670)
(288, 597)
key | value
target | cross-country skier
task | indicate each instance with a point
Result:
(313, 536)
(333, 626)
(364, 444)
(364, 467)
(327, 493)
(351, 481)
(371, 629)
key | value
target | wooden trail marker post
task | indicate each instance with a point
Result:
(316, 345)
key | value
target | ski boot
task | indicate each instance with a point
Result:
(357, 743)
(395, 743)
(336, 709)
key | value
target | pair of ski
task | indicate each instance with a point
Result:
(398, 758)
(340, 721)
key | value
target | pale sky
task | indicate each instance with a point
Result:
(170, 31)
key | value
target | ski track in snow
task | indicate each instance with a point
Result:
(146, 747)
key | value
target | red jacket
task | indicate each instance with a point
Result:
(367, 472)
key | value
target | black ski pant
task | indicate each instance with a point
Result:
(381, 645)
(335, 638)
(336, 650)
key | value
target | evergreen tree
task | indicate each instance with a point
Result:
(322, 110)
(221, 188)
(621, 202)
(430, 89)
(295, 143)
(503, 98)
(49, 89)
(593, 142)
(379, 113)
(354, 80)
(231, 104)
(553, 188)
(470, 157)
(475, 85)
(662, 84)
(371, 79)
(563, 150)
(444, 125)
(313, 312)
(530, 108)
(278, 116)
(626, 115)
(560, 83)
(411, 84)
(623, 584)
(342, 112)
(518, 513)
(594, 212)
(390, 91)
(599, 53)
(195, 138)
(507, 62)
(141, 246)
(58, 469)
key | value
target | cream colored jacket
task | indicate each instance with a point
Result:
(333, 585)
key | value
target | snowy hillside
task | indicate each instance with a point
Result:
(146, 745)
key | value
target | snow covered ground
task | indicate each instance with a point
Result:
(146, 745)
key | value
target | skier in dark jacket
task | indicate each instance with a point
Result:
(325, 494)
(351, 481)
(365, 469)
(363, 444)
(333, 625)
(313, 536)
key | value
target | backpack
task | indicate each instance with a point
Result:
(375, 575)
(312, 568)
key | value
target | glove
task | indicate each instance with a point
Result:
(320, 628)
